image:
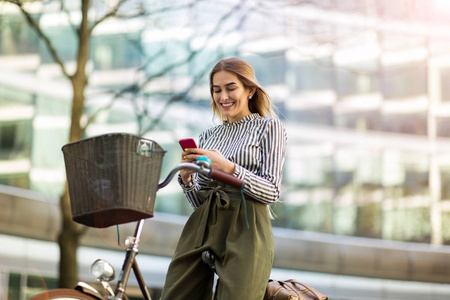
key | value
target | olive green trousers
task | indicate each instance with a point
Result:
(244, 255)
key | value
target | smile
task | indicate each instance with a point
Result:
(227, 104)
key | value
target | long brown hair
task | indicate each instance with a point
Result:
(259, 103)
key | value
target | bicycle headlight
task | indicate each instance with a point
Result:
(102, 270)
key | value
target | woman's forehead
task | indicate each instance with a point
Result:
(223, 78)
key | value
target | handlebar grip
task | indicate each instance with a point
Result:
(227, 179)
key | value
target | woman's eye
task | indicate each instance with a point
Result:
(217, 91)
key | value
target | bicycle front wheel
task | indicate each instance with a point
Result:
(63, 294)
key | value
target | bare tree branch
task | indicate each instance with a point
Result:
(179, 97)
(92, 117)
(114, 12)
(136, 87)
(41, 34)
(16, 2)
(193, 53)
(67, 12)
(110, 14)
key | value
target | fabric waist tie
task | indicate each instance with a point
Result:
(218, 194)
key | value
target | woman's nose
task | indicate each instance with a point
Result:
(224, 95)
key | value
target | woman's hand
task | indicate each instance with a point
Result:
(218, 162)
(186, 174)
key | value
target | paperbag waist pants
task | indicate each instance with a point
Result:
(244, 256)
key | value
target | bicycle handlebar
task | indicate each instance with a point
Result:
(214, 174)
(227, 178)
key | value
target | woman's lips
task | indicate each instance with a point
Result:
(227, 105)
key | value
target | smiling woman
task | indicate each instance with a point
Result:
(232, 224)
(239, 75)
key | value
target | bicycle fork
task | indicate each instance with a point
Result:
(104, 272)
(131, 264)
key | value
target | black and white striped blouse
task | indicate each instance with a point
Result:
(257, 145)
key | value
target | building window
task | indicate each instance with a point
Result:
(15, 139)
(310, 75)
(14, 286)
(443, 127)
(445, 87)
(353, 80)
(406, 123)
(405, 81)
(38, 284)
(23, 286)
(17, 37)
(7, 136)
(117, 51)
(275, 62)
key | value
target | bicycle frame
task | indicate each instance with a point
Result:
(131, 263)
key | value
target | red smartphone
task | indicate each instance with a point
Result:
(188, 143)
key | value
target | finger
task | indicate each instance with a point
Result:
(186, 151)
(189, 158)
(186, 159)
(195, 151)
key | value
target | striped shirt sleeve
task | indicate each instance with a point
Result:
(257, 146)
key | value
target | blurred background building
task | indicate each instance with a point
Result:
(362, 87)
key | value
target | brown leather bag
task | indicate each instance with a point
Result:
(291, 290)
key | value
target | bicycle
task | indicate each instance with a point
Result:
(92, 165)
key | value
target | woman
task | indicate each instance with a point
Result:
(251, 145)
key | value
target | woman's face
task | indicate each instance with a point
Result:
(230, 96)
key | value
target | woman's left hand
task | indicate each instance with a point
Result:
(218, 161)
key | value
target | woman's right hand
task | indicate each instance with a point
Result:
(186, 174)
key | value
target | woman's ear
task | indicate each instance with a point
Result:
(252, 92)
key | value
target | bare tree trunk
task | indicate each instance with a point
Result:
(70, 233)
(68, 241)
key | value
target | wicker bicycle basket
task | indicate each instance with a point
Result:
(112, 178)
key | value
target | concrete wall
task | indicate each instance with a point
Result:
(28, 214)
(361, 256)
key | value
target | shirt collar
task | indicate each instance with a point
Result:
(245, 119)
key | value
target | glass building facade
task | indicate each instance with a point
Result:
(362, 87)
(367, 108)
